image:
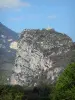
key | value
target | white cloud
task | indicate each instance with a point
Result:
(13, 3)
(52, 17)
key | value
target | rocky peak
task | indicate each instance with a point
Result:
(42, 55)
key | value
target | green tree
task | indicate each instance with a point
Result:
(65, 86)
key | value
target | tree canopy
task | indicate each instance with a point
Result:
(65, 85)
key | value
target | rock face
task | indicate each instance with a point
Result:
(7, 53)
(42, 55)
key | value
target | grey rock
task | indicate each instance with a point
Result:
(42, 55)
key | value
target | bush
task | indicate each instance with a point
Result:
(65, 85)
(8, 92)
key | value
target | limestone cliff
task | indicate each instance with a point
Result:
(42, 55)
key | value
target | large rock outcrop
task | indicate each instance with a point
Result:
(42, 55)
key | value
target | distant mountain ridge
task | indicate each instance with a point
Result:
(7, 54)
(8, 32)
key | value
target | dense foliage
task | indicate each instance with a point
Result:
(65, 86)
(8, 92)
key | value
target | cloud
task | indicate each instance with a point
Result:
(52, 17)
(19, 18)
(13, 4)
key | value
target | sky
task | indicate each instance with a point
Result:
(34, 14)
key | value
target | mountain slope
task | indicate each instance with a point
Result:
(7, 54)
(8, 32)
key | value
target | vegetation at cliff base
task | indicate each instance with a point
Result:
(64, 89)
(8, 92)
